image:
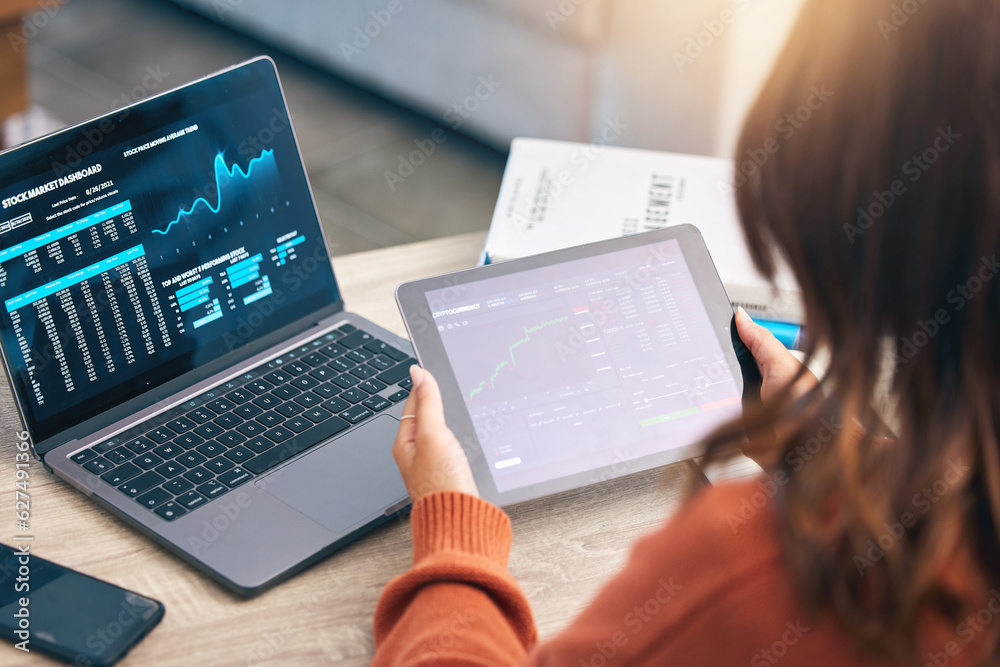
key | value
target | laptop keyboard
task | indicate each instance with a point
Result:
(194, 453)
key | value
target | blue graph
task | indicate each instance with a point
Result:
(221, 170)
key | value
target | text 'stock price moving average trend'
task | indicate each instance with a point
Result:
(512, 363)
(221, 170)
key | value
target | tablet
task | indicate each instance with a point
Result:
(572, 367)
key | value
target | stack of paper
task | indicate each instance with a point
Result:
(557, 194)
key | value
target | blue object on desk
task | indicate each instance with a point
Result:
(790, 335)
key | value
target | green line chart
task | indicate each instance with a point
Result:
(511, 363)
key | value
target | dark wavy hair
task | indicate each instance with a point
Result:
(885, 201)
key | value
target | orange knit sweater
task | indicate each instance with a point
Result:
(709, 588)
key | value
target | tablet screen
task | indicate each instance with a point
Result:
(586, 364)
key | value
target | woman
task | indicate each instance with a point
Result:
(873, 550)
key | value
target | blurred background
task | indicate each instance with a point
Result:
(370, 81)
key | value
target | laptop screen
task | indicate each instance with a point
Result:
(142, 245)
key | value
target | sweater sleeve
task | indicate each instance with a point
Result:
(457, 604)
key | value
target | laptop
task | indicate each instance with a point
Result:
(175, 339)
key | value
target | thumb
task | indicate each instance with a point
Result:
(430, 409)
(771, 356)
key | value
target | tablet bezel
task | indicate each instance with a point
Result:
(431, 353)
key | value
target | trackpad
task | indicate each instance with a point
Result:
(345, 483)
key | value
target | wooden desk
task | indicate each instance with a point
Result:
(565, 547)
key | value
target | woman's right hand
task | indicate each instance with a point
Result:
(778, 366)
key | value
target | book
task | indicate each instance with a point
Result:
(558, 194)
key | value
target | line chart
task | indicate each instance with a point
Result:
(221, 169)
(512, 363)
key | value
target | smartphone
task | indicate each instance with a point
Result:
(68, 615)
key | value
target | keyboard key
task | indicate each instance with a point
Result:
(353, 395)
(99, 466)
(259, 386)
(211, 449)
(188, 440)
(200, 415)
(323, 373)
(381, 347)
(399, 396)
(232, 438)
(298, 444)
(260, 443)
(191, 500)
(407, 383)
(308, 400)
(376, 403)
(251, 428)
(398, 372)
(168, 451)
(355, 339)
(279, 434)
(327, 390)
(153, 498)
(106, 446)
(178, 485)
(220, 405)
(372, 386)
(315, 359)
(191, 459)
(235, 477)
(228, 420)
(142, 483)
(298, 424)
(278, 377)
(347, 328)
(289, 409)
(219, 464)
(381, 363)
(297, 367)
(332, 351)
(83, 456)
(359, 356)
(317, 415)
(270, 418)
(170, 469)
(211, 489)
(170, 511)
(355, 413)
(198, 475)
(119, 455)
(140, 444)
(180, 425)
(342, 365)
(147, 461)
(122, 473)
(248, 411)
(160, 435)
(304, 382)
(239, 454)
(363, 372)
(345, 381)
(286, 392)
(267, 401)
(240, 396)
(336, 405)
(209, 430)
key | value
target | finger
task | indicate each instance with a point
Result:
(772, 357)
(402, 447)
(430, 410)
